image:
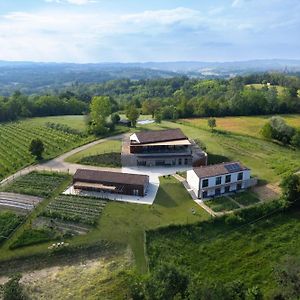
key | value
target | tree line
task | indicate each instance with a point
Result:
(171, 98)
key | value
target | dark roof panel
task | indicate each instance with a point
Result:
(111, 177)
(153, 136)
(219, 169)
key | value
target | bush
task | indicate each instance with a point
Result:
(12, 290)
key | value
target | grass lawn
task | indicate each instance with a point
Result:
(221, 204)
(268, 161)
(125, 223)
(243, 125)
(102, 148)
(245, 198)
(73, 121)
(217, 252)
(259, 86)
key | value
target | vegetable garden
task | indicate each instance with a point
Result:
(37, 184)
(75, 208)
(8, 222)
(15, 139)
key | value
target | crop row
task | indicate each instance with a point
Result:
(15, 140)
(75, 208)
(37, 184)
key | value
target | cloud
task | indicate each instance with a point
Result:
(65, 34)
(75, 2)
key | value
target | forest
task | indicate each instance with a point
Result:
(170, 98)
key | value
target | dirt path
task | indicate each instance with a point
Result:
(58, 164)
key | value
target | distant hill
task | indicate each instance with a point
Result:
(32, 77)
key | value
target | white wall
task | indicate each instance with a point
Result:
(193, 181)
(233, 183)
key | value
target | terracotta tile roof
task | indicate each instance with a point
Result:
(219, 169)
(153, 136)
(110, 177)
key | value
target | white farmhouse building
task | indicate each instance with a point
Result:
(215, 180)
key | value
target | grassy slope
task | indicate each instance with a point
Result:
(267, 160)
(107, 147)
(216, 253)
(76, 122)
(96, 279)
(125, 223)
(244, 125)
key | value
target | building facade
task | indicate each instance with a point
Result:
(111, 182)
(219, 179)
(161, 148)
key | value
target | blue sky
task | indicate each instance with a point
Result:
(137, 31)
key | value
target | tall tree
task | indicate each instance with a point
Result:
(36, 148)
(132, 113)
(211, 122)
(100, 109)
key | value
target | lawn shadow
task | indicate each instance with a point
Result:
(164, 199)
(216, 158)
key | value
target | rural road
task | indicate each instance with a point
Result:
(58, 164)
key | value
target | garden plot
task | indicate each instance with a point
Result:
(37, 184)
(18, 201)
(75, 209)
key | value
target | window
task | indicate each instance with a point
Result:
(218, 180)
(239, 186)
(204, 194)
(135, 192)
(185, 161)
(228, 178)
(227, 189)
(179, 161)
(240, 176)
(218, 192)
(205, 183)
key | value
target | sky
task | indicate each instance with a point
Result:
(90, 31)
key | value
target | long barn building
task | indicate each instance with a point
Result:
(111, 182)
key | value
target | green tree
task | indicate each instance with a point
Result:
(295, 141)
(158, 117)
(132, 113)
(211, 122)
(291, 189)
(12, 290)
(288, 278)
(100, 109)
(166, 282)
(36, 148)
(115, 118)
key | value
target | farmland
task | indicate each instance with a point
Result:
(220, 252)
(8, 222)
(16, 137)
(242, 125)
(75, 208)
(36, 184)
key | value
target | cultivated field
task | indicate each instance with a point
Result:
(37, 184)
(75, 209)
(16, 137)
(242, 125)
(8, 222)
(18, 202)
